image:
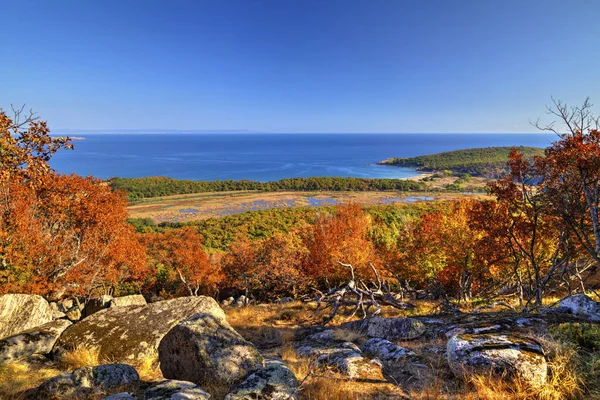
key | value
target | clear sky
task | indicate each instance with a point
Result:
(298, 65)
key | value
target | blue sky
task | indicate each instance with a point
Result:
(298, 65)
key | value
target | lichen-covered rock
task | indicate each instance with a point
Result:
(581, 305)
(205, 348)
(345, 358)
(19, 312)
(87, 380)
(125, 301)
(387, 328)
(56, 312)
(507, 356)
(130, 333)
(175, 390)
(385, 350)
(273, 382)
(74, 314)
(38, 340)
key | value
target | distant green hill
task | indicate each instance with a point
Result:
(485, 161)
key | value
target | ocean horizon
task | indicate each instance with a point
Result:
(265, 156)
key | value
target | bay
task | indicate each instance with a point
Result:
(265, 157)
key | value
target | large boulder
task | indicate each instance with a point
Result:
(344, 357)
(273, 382)
(86, 381)
(129, 333)
(205, 348)
(175, 390)
(19, 312)
(399, 364)
(125, 301)
(507, 356)
(38, 340)
(581, 305)
(387, 328)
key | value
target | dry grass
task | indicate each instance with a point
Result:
(16, 377)
(148, 368)
(81, 356)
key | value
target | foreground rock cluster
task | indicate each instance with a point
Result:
(198, 349)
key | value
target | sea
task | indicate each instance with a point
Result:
(264, 157)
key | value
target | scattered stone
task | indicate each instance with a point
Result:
(228, 301)
(124, 301)
(286, 300)
(66, 304)
(175, 390)
(38, 340)
(130, 333)
(387, 328)
(56, 312)
(74, 314)
(19, 312)
(273, 382)
(581, 305)
(120, 396)
(84, 381)
(205, 348)
(508, 356)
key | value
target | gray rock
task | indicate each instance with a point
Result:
(120, 396)
(205, 348)
(38, 340)
(87, 380)
(581, 305)
(387, 328)
(399, 365)
(96, 304)
(175, 390)
(130, 333)
(273, 382)
(286, 300)
(385, 350)
(19, 312)
(507, 356)
(124, 301)
(228, 301)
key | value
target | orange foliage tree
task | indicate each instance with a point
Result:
(178, 255)
(59, 234)
(340, 238)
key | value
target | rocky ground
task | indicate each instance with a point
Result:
(194, 348)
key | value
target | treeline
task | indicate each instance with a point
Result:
(139, 188)
(488, 161)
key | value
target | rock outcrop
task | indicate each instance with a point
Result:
(205, 348)
(507, 356)
(273, 382)
(175, 390)
(86, 381)
(19, 312)
(582, 306)
(387, 328)
(130, 333)
(125, 301)
(38, 340)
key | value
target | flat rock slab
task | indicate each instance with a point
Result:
(507, 356)
(86, 381)
(19, 312)
(581, 305)
(346, 358)
(128, 333)
(38, 340)
(204, 349)
(175, 390)
(387, 328)
(273, 382)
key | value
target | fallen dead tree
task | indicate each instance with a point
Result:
(360, 296)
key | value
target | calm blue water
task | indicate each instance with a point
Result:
(264, 157)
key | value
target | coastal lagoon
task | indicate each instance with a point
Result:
(264, 157)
